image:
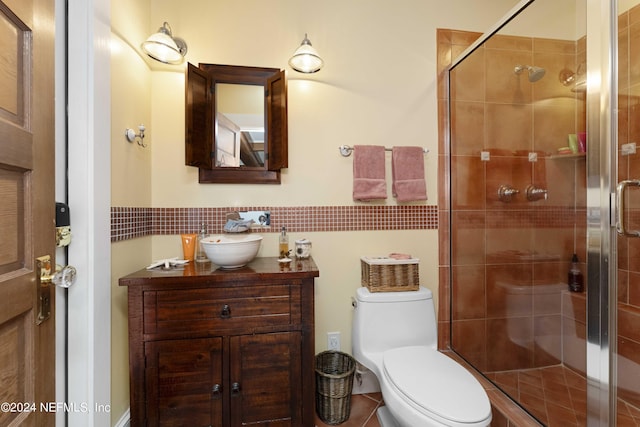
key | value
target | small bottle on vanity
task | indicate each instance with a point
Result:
(283, 246)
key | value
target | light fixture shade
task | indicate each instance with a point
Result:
(305, 59)
(163, 47)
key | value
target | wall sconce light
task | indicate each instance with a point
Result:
(164, 47)
(305, 59)
(138, 137)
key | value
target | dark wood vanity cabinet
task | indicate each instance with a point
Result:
(210, 347)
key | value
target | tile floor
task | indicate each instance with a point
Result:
(363, 411)
(555, 395)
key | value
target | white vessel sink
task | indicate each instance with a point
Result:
(232, 251)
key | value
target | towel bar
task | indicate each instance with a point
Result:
(346, 151)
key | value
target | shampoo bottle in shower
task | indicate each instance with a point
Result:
(283, 245)
(575, 279)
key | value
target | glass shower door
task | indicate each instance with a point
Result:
(521, 205)
(518, 207)
(625, 295)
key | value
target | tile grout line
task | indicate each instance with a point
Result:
(375, 410)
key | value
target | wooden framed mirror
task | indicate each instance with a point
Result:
(236, 123)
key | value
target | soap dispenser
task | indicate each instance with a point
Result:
(201, 255)
(575, 279)
(283, 246)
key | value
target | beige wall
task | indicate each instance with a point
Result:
(131, 174)
(378, 87)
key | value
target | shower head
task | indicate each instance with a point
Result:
(535, 73)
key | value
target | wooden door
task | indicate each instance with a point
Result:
(27, 209)
(266, 380)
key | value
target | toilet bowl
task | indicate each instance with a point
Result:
(395, 336)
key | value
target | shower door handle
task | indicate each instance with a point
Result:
(620, 227)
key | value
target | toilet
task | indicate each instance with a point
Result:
(395, 336)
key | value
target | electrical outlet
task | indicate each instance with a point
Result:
(333, 340)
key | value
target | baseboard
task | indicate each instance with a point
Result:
(124, 420)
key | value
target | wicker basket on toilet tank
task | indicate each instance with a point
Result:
(384, 274)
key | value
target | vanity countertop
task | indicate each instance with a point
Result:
(267, 268)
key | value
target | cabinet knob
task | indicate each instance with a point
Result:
(235, 389)
(226, 311)
(215, 391)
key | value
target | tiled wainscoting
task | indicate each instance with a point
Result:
(131, 222)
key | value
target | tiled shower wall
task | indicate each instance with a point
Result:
(131, 222)
(507, 256)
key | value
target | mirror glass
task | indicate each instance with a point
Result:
(239, 125)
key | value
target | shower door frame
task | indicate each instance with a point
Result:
(601, 239)
(601, 105)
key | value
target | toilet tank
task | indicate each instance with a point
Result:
(385, 320)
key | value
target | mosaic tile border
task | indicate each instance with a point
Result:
(131, 222)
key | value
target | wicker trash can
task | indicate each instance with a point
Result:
(334, 383)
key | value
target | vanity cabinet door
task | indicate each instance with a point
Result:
(184, 382)
(265, 377)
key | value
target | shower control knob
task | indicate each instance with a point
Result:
(535, 193)
(506, 193)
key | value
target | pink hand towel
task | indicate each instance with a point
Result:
(408, 174)
(369, 173)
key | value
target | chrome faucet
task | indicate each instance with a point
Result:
(534, 193)
(506, 193)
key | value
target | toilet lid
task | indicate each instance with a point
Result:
(436, 384)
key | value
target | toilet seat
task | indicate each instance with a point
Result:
(436, 386)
